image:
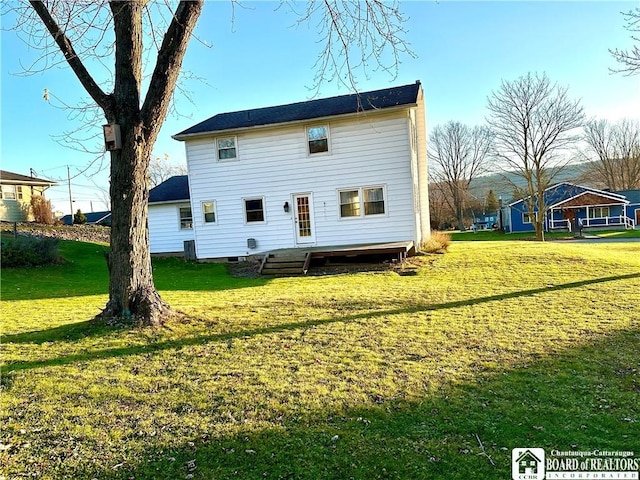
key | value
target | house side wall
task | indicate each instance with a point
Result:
(516, 216)
(273, 164)
(423, 169)
(19, 210)
(165, 235)
(632, 211)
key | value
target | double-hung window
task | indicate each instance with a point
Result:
(318, 139)
(209, 212)
(362, 201)
(186, 219)
(8, 192)
(227, 149)
(349, 203)
(254, 210)
(373, 201)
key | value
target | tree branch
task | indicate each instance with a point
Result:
(87, 81)
(167, 69)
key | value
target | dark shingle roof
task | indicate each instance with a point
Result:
(632, 195)
(172, 189)
(16, 178)
(560, 192)
(325, 107)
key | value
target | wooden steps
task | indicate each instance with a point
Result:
(290, 263)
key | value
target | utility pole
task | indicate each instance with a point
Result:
(70, 200)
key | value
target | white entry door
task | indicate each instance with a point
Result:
(303, 218)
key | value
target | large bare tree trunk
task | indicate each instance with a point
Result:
(131, 289)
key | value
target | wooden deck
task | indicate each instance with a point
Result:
(289, 261)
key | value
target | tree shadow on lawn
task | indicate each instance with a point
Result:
(81, 330)
(578, 399)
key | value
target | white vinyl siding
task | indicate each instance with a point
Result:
(365, 151)
(165, 235)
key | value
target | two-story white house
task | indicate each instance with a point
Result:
(346, 170)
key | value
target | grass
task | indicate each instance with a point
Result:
(366, 375)
(490, 235)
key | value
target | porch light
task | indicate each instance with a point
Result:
(286, 207)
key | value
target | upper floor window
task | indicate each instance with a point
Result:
(209, 212)
(227, 148)
(318, 139)
(8, 192)
(254, 210)
(186, 219)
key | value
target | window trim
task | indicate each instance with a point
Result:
(215, 212)
(235, 147)
(361, 200)
(328, 139)
(364, 202)
(340, 204)
(528, 222)
(180, 221)
(13, 191)
(264, 210)
(600, 210)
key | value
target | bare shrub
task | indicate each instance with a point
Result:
(42, 210)
(438, 242)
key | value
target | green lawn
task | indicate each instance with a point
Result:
(490, 235)
(367, 375)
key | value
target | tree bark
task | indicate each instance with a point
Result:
(132, 292)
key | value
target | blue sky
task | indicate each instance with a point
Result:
(464, 50)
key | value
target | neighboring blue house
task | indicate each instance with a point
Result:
(569, 207)
(93, 218)
(485, 221)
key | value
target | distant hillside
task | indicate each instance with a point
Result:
(502, 184)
